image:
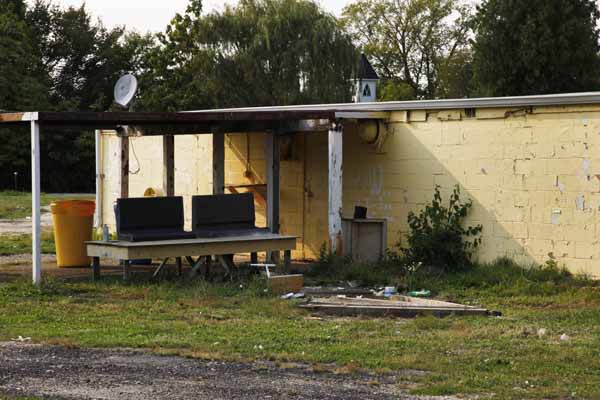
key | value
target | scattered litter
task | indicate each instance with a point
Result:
(420, 293)
(564, 337)
(312, 318)
(542, 332)
(292, 295)
(21, 339)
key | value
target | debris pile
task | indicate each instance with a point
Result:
(383, 303)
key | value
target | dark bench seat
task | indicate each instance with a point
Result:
(225, 215)
(150, 219)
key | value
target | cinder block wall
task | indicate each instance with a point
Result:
(533, 176)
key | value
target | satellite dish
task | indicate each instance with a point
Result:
(125, 90)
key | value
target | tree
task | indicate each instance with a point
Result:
(536, 46)
(56, 59)
(20, 89)
(260, 52)
(409, 41)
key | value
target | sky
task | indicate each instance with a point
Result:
(154, 15)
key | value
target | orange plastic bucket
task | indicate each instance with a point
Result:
(73, 223)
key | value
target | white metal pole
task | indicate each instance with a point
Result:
(335, 187)
(35, 203)
(98, 147)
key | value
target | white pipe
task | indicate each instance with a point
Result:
(36, 254)
(98, 220)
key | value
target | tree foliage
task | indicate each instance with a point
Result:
(536, 46)
(56, 59)
(410, 42)
(260, 52)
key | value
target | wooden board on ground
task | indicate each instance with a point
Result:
(409, 307)
(282, 284)
(333, 291)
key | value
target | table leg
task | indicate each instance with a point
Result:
(195, 266)
(178, 263)
(126, 272)
(227, 263)
(160, 268)
(273, 257)
(95, 268)
(287, 260)
(207, 269)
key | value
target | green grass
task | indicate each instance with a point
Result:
(463, 355)
(21, 244)
(17, 205)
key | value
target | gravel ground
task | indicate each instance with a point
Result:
(70, 373)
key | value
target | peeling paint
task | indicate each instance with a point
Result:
(554, 219)
(585, 168)
(560, 185)
(580, 202)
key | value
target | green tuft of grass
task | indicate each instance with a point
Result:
(21, 244)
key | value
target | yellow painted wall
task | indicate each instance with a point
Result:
(534, 177)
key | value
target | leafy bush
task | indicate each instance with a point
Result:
(437, 237)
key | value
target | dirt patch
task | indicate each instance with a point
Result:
(71, 373)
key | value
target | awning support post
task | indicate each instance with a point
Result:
(124, 181)
(169, 165)
(273, 193)
(98, 217)
(272, 172)
(335, 140)
(218, 149)
(35, 204)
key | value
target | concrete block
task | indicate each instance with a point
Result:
(564, 248)
(543, 149)
(451, 133)
(417, 115)
(546, 231)
(449, 115)
(587, 250)
(539, 247)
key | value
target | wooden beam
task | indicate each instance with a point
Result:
(35, 204)
(169, 165)
(199, 247)
(335, 188)
(272, 172)
(124, 179)
(218, 163)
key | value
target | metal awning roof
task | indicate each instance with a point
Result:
(257, 118)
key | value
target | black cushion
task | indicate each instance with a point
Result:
(150, 218)
(223, 211)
